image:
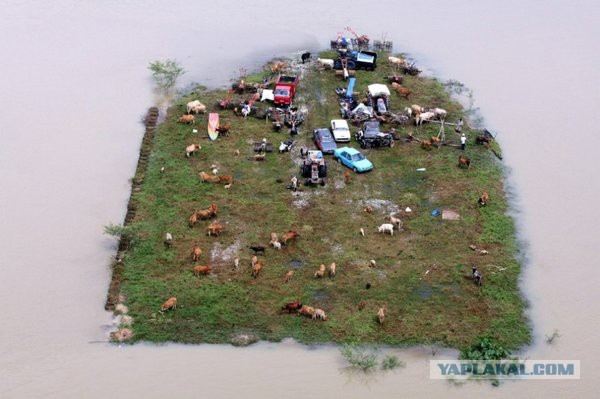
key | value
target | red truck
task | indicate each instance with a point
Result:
(285, 89)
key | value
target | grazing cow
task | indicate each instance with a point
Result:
(276, 244)
(208, 213)
(274, 237)
(258, 249)
(259, 157)
(196, 107)
(464, 162)
(236, 264)
(439, 113)
(288, 276)
(372, 263)
(170, 303)
(256, 268)
(205, 177)
(483, 200)
(196, 252)
(482, 139)
(403, 91)
(168, 240)
(253, 260)
(347, 177)
(305, 57)
(291, 307)
(198, 270)
(326, 63)
(332, 270)
(435, 141)
(395, 221)
(398, 61)
(381, 314)
(423, 117)
(305, 310)
(224, 129)
(236, 153)
(193, 219)
(214, 229)
(187, 119)
(319, 314)
(321, 272)
(477, 276)
(426, 145)
(192, 149)
(395, 79)
(368, 209)
(386, 228)
(226, 179)
(290, 235)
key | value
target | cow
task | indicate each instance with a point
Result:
(332, 270)
(291, 307)
(196, 252)
(321, 272)
(214, 229)
(381, 314)
(464, 162)
(170, 303)
(288, 276)
(305, 57)
(386, 228)
(483, 200)
(187, 119)
(305, 310)
(290, 235)
(319, 314)
(196, 107)
(256, 268)
(192, 149)
(403, 91)
(198, 270)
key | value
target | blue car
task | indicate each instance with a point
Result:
(353, 159)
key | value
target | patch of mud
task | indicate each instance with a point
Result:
(321, 297)
(220, 255)
(296, 264)
(384, 205)
(302, 198)
(339, 184)
(424, 291)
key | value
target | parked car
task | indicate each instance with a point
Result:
(340, 130)
(353, 159)
(324, 141)
(371, 137)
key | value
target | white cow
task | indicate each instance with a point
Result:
(386, 228)
(196, 107)
(325, 62)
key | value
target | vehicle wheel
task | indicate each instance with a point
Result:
(339, 160)
(355, 170)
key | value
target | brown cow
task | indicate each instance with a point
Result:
(196, 252)
(214, 229)
(332, 270)
(187, 119)
(208, 178)
(198, 270)
(193, 219)
(403, 91)
(225, 179)
(191, 149)
(483, 200)
(464, 162)
(170, 303)
(308, 311)
(426, 145)
(256, 268)
(208, 213)
(381, 314)
(288, 276)
(347, 177)
(321, 272)
(290, 235)
(291, 307)
(224, 129)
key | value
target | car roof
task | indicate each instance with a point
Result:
(323, 131)
(349, 150)
(339, 123)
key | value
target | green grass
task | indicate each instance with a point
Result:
(442, 306)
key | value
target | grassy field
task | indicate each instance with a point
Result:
(422, 274)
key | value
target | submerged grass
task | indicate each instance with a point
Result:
(422, 274)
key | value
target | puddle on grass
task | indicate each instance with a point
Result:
(296, 263)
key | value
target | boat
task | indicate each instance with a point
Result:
(213, 125)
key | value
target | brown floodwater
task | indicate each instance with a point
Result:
(74, 86)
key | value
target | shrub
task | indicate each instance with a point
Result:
(166, 73)
(359, 358)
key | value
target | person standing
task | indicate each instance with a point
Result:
(463, 141)
(459, 126)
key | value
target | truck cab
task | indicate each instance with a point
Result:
(285, 90)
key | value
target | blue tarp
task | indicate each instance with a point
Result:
(350, 88)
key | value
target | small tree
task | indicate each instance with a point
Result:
(166, 73)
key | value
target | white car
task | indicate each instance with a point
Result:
(340, 130)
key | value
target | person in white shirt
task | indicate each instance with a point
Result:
(463, 142)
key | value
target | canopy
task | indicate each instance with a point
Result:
(378, 89)
(267, 95)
